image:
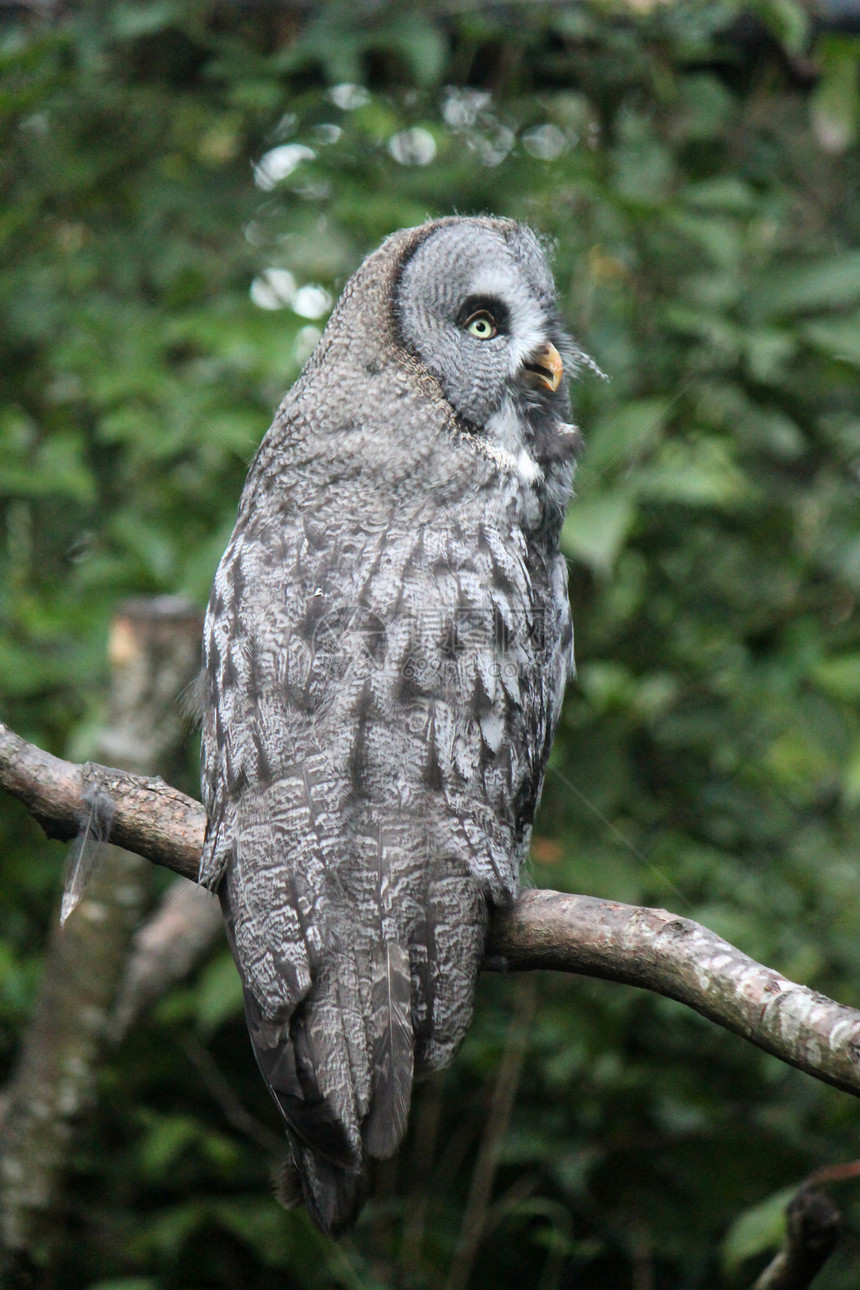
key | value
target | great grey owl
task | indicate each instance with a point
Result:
(386, 647)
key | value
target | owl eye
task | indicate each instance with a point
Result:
(481, 325)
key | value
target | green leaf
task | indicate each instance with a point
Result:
(260, 1226)
(767, 352)
(164, 1233)
(130, 21)
(596, 528)
(219, 993)
(722, 193)
(57, 469)
(757, 1230)
(643, 171)
(836, 100)
(607, 685)
(716, 236)
(825, 282)
(622, 435)
(420, 42)
(693, 473)
(851, 778)
(705, 107)
(787, 20)
(838, 339)
(166, 1139)
(840, 677)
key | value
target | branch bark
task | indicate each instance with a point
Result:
(649, 948)
(152, 819)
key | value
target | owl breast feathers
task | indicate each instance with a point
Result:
(386, 647)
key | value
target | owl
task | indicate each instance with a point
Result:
(386, 647)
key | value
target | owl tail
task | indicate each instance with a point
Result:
(332, 1194)
(343, 1084)
(334, 1189)
(305, 1063)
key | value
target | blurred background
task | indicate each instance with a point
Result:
(185, 189)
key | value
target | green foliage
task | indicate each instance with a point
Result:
(760, 1229)
(184, 194)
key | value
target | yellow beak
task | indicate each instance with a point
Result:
(544, 367)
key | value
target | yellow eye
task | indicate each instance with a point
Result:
(481, 325)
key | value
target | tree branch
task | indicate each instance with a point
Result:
(682, 960)
(166, 949)
(649, 948)
(812, 1230)
(152, 819)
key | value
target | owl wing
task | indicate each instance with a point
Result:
(372, 751)
(460, 640)
(275, 804)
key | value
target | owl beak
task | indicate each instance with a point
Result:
(543, 368)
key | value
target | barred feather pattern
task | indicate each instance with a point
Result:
(386, 648)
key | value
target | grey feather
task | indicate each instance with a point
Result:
(386, 647)
(85, 849)
(391, 1004)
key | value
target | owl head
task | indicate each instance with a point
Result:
(446, 347)
(476, 304)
